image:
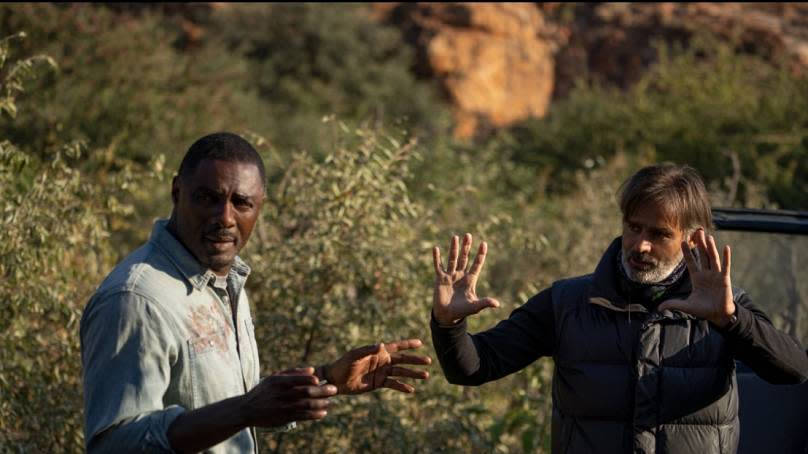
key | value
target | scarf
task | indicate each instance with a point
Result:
(649, 295)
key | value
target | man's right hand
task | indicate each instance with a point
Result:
(455, 295)
(291, 395)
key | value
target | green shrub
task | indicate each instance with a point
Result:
(54, 250)
(338, 262)
(741, 121)
(309, 60)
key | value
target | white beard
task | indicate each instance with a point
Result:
(657, 273)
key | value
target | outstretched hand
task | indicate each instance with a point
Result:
(455, 294)
(376, 366)
(711, 297)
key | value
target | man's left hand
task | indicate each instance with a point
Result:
(711, 297)
(376, 366)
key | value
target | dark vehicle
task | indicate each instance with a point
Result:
(769, 259)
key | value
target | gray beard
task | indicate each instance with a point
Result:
(657, 274)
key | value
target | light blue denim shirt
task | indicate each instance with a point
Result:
(157, 340)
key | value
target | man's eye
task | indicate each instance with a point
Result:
(204, 197)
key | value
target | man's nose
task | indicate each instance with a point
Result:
(225, 214)
(643, 246)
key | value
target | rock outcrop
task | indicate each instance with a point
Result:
(502, 63)
(614, 42)
(492, 60)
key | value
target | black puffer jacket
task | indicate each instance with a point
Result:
(627, 379)
(638, 382)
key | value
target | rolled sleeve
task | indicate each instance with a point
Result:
(145, 433)
(128, 348)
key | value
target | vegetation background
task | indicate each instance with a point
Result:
(99, 104)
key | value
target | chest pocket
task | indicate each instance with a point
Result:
(213, 369)
(215, 341)
(214, 366)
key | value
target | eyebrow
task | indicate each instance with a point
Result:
(663, 230)
(218, 192)
(238, 195)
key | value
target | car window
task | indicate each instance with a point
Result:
(771, 268)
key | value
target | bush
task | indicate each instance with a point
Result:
(55, 249)
(341, 256)
(338, 262)
(308, 61)
(739, 120)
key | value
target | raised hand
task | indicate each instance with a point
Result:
(711, 297)
(455, 294)
(375, 366)
(291, 395)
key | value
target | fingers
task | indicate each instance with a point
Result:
(436, 261)
(308, 409)
(408, 373)
(712, 252)
(411, 359)
(307, 415)
(690, 259)
(476, 306)
(392, 383)
(290, 380)
(701, 247)
(477, 266)
(727, 261)
(485, 303)
(464, 253)
(311, 392)
(407, 344)
(458, 256)
(297, 371)
(453, 251)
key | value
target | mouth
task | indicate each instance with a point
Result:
(641, 265)
(220, 243)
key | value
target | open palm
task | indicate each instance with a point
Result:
(376, 366)
(455, 292)
(711, 297)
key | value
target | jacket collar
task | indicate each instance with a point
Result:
(185, 262)
(605, 289)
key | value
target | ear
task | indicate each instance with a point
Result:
(175, 189)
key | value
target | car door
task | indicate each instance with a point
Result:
(769, 260)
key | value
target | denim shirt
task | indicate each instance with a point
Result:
(157, 340)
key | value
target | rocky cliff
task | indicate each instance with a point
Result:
(501, 63)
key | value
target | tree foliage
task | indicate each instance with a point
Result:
(341, 256)
(310, 60)
(740, 121)
(55, 224)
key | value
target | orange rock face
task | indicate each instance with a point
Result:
(502, 63)
(490, 58)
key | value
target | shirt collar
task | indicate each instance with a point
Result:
(197, 275)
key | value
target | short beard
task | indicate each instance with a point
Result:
(658, 273)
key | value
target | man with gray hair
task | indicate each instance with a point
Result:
(645, 347)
